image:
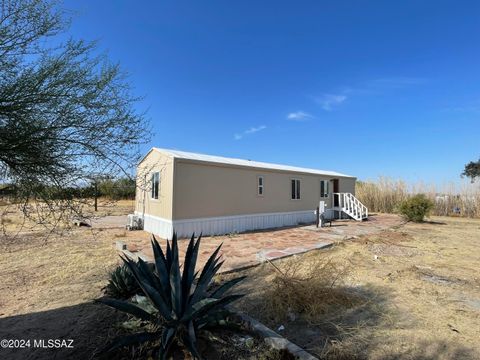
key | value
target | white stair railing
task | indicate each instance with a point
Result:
(350, 205)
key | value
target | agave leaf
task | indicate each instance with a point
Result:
(169, 252)
(147, 272)
(225, 287)
(205, 276)
(156, 299)
(190, 341)
(189, 265)
(167, 336)
(128, 340)
(128, 308)
(215, 269)
(167, 340)
(209, 306)
(199, 304)
(161, 266)
(205, 282)
(175, 280)
(144, 303)
(149, 291)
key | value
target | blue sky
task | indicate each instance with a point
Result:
(367, 88)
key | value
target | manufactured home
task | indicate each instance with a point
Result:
(188, 192)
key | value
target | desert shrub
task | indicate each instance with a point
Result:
(416, 208)
(309, 289)
(116, 189)
(122, 283)
(184, 301)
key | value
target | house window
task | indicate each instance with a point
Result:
(295, 189)
(260, 185)
(324, 188)
(155, 184)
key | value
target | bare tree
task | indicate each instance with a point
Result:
(66, 113)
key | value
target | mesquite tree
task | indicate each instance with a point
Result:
(67, 114)
(472, 170)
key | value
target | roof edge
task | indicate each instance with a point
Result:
(268, 166)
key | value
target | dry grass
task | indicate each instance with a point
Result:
(385, 195)
(418, 289)
(13, 221)
(47, 287)
(308, 289)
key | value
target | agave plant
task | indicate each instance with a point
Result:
(122, 283)
(184, 300)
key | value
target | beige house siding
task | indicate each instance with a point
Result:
(347, 185)
(203, 190)
(161, 207)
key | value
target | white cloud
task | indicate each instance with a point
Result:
(299, 116)
(329, 101)
(253, 130)
(249, 131)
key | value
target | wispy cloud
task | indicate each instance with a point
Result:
(249, 131)
(299, 116)
(329, 101)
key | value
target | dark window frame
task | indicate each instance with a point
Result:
(155, 183)
(260, 185)
(295, 189)
(324, 188)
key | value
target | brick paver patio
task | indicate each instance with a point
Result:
(248, 249)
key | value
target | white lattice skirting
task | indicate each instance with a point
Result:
(225, 224)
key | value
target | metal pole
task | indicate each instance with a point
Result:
(96, 195)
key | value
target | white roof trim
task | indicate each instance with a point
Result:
(241, 162)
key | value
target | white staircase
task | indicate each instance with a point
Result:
(350, 205)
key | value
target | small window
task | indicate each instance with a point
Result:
(324, 188)
(260, 185)
(155, 184)
(295, 189)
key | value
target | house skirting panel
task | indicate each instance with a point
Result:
(157, 225)
(225, 224)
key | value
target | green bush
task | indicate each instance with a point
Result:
(122, 283)
(184, 300)
(416, 208)
(116, 189)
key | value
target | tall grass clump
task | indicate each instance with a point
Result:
(383, 195)
(386, 195)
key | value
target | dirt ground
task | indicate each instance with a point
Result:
(421, 287)
(424, 291)
(48, 284)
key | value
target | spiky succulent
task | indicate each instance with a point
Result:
(122, 283)
(183, 299)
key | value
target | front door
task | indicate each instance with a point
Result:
(335, 190)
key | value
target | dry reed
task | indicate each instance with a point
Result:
(385, 195)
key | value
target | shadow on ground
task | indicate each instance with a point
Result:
(360, 329)
(434, 350)
(89, 325)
